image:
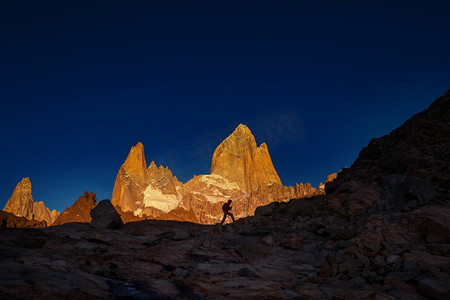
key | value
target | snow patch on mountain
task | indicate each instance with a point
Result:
(155, 198)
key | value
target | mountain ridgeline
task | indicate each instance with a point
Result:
(240, 170)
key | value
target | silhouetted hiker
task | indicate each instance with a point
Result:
(226, 211)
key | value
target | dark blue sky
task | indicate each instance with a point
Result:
(81, 82)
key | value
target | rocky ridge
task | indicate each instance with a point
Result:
(21, 204)
(239, 170)
(358, 242)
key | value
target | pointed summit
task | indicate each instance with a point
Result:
(21, 201)
(21, 204)
(135, 163)
(80, 211)
(152, 165)
(131, 180)
(242, 128)
(239, 160)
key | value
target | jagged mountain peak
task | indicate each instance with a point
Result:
(131, 179)
(241, 132)
(21, 204)
(238, 159)
(25, 181)
(135, 161)
(21, 198)
(238, 168)
(152, 165)
(79, 211)
(143, 190)
(242, 128)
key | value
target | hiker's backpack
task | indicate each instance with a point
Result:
(224, 206)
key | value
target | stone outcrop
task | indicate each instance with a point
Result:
(239, 160)
(105, 216)
(80, 211)
(21, 204)
(331, 177)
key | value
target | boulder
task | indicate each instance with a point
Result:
(104, 215)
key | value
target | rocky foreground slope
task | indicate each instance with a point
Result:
(382, 232)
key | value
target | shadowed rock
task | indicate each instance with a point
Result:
(104, 215)
(404, 193)
(8, 219)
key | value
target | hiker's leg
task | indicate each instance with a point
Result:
(224, 217)
(232, 217)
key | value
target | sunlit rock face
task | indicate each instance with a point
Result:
(146, 192)
(80, 211)
(164, 191)
(240, 171)
(243, 172)
(331, 177)
(205, 195)
(131, 180)
(21, 201)
(239, 160)
(21, 204)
